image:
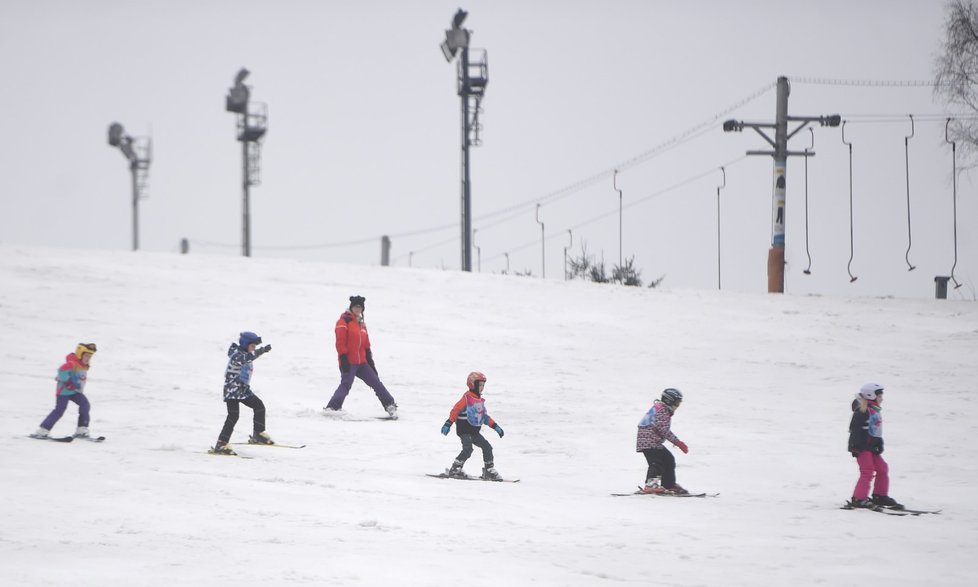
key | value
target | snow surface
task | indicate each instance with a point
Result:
(571, 369)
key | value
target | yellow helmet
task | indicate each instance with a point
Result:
(85, 347)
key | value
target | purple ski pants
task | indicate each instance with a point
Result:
(871, 464)
(366, 374)
(59, 410)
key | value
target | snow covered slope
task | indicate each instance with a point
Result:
(571, 369)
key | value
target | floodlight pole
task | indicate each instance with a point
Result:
(252, 125)
(780, 154)
(138, 151)
(473, 76)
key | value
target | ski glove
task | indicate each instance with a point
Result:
(682, 446)
(370, 361)
(344, 364)
(446, 427)
(263, 350)
(498, 429)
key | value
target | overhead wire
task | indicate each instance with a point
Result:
(632, 204)
(513, 211)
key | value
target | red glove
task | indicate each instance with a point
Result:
(682, 446)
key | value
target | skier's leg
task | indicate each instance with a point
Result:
(653, 470)
(255, 403)
(466, 447)
(479, 440)
(866, 472)
(667, 462)
(368, 376)
(230, 421)
(346, 382)
(84, 409)
(61, 403)
(882, 484)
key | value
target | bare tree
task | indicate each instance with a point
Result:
(956, 80)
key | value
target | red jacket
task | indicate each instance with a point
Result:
(352, 339)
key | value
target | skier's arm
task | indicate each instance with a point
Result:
(458, 407)
(663, 425)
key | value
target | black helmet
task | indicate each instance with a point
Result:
(672, 397)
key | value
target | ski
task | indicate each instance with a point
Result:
(471, 478)
(91, 438)
(666, 494)
(210, 451)
(54, 438)
(913, 512)
(347, 417)
(271, 445)
(891, 510)
(877, 509)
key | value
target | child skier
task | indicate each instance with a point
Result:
(866, 444)
(237, 390)
(71, 388)
(470, 414)
(655, 427)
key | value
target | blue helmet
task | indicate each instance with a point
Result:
(247, 338)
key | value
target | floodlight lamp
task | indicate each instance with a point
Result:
(732, 126)
(115, 134)
(447, 50)
(833, 120)
(459, 18)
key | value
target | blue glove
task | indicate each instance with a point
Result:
(446, 427)
(498, 429)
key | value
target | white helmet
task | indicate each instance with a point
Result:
(870, 391)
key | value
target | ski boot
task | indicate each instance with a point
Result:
(223, 448)
(41, 433)
(887, 502)
(863, 504)
(391, 411)
(652, 486)
(489, 473)
(677, 489)
(260, 438)
(456, 470)
(81, 432)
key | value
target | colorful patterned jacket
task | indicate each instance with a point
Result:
(72, 376)
(237, 376)
(866, 428)
(469, 414)
(352, 339)
(655, 427)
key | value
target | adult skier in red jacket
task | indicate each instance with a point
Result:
(356, 359)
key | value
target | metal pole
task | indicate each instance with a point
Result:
(719, 187)
(543, 246)
(246, 221)
(775, 259)
(134, 168)
(615, 183)
(466, 180)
